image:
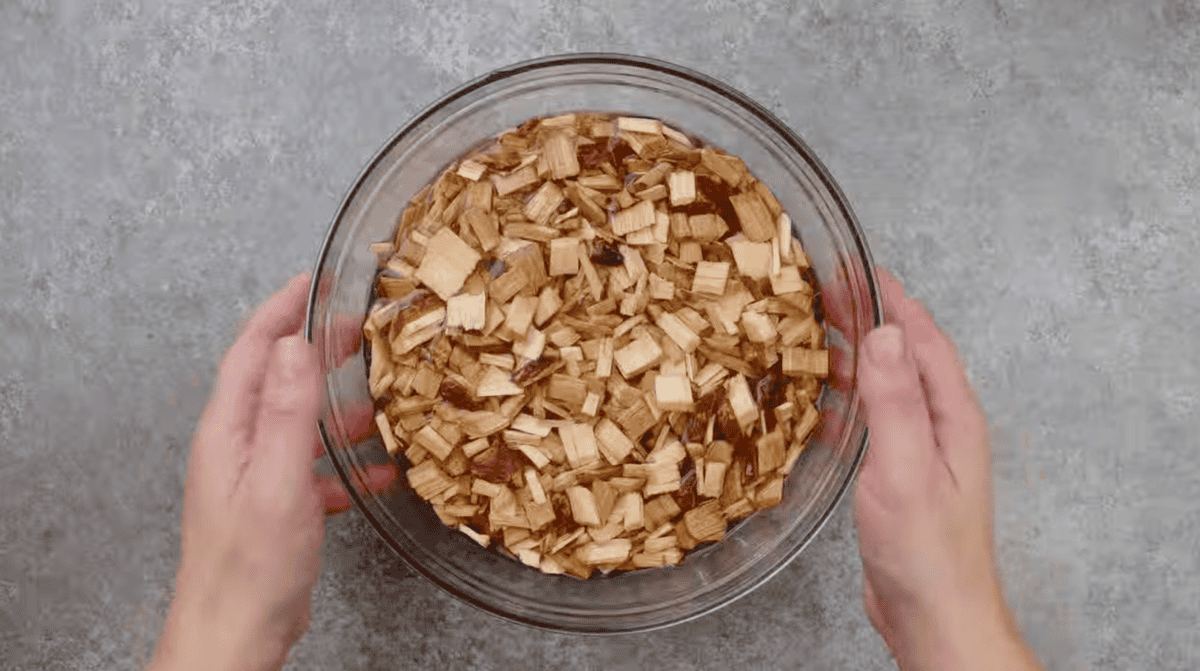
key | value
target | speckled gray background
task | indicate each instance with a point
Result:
(1030, 169)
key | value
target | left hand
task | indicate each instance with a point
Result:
(253, 517)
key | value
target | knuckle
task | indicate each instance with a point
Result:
(901, 395)
(284, 396)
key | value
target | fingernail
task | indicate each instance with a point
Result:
(885, 347)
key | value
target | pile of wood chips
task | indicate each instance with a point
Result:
(594, 343)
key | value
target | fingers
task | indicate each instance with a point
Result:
(959, 424)
(344, 331)
(287, 414)
(840, 308)
(902, 439)
(359, 424)
(377, 478)
(333, 495)
(240, 379)
(893, 295)
(346, 338)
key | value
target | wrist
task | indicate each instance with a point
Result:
(976, 634)
(195, 639)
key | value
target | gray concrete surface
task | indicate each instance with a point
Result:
(1031, 170)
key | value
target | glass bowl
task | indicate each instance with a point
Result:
(757, 547)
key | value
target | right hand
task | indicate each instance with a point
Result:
(923, 502)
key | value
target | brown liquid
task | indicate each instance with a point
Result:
(697, 424)
(717, 193)
(592, 156)
(458, 396)
(687, 497)
(620, 152)
(605, 253)
(770, 391)
(497, 464)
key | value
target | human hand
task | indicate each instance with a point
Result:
(253, 516)
(923, 502)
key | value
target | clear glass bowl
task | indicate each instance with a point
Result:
(756, 548)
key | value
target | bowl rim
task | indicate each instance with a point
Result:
(763, 115)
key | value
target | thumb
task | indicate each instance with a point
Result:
(287, 415)
(902, 444)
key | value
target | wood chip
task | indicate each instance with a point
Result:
(753, 258)
(661, 289)
(770, 451)
(542, 205)
(564, 256)
(769, 494)
(678, 331)
(549, 303)
(466, 311)
(635, 218)
(730, 169)
(471, 170)
(519, 318)
(757, 223)
(504, 361)
(758, 327)
(711, 277)
(798, 361)
(690, 252)
(637, 357)
(535, 455)
(673, 393)
(591, 404)
(636, 420)
(707, 227)
(559, 151)
(705, 522)
(529, 348)
(497, 382)
(737, 390)
(579, 441)
(806, 424)
(583, 506)
(787, 281)
(682, 185)
(659, 511)
(587, 207)
(570, 390)
(447, 263)
(433, 442)
(604, 358)
(515, 181)
(608, 552)
(636, 125)
(711, 484)
(482, 539)
(386, 433)
(428, 480)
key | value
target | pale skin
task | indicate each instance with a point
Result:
(254, 510)
(923, 502)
